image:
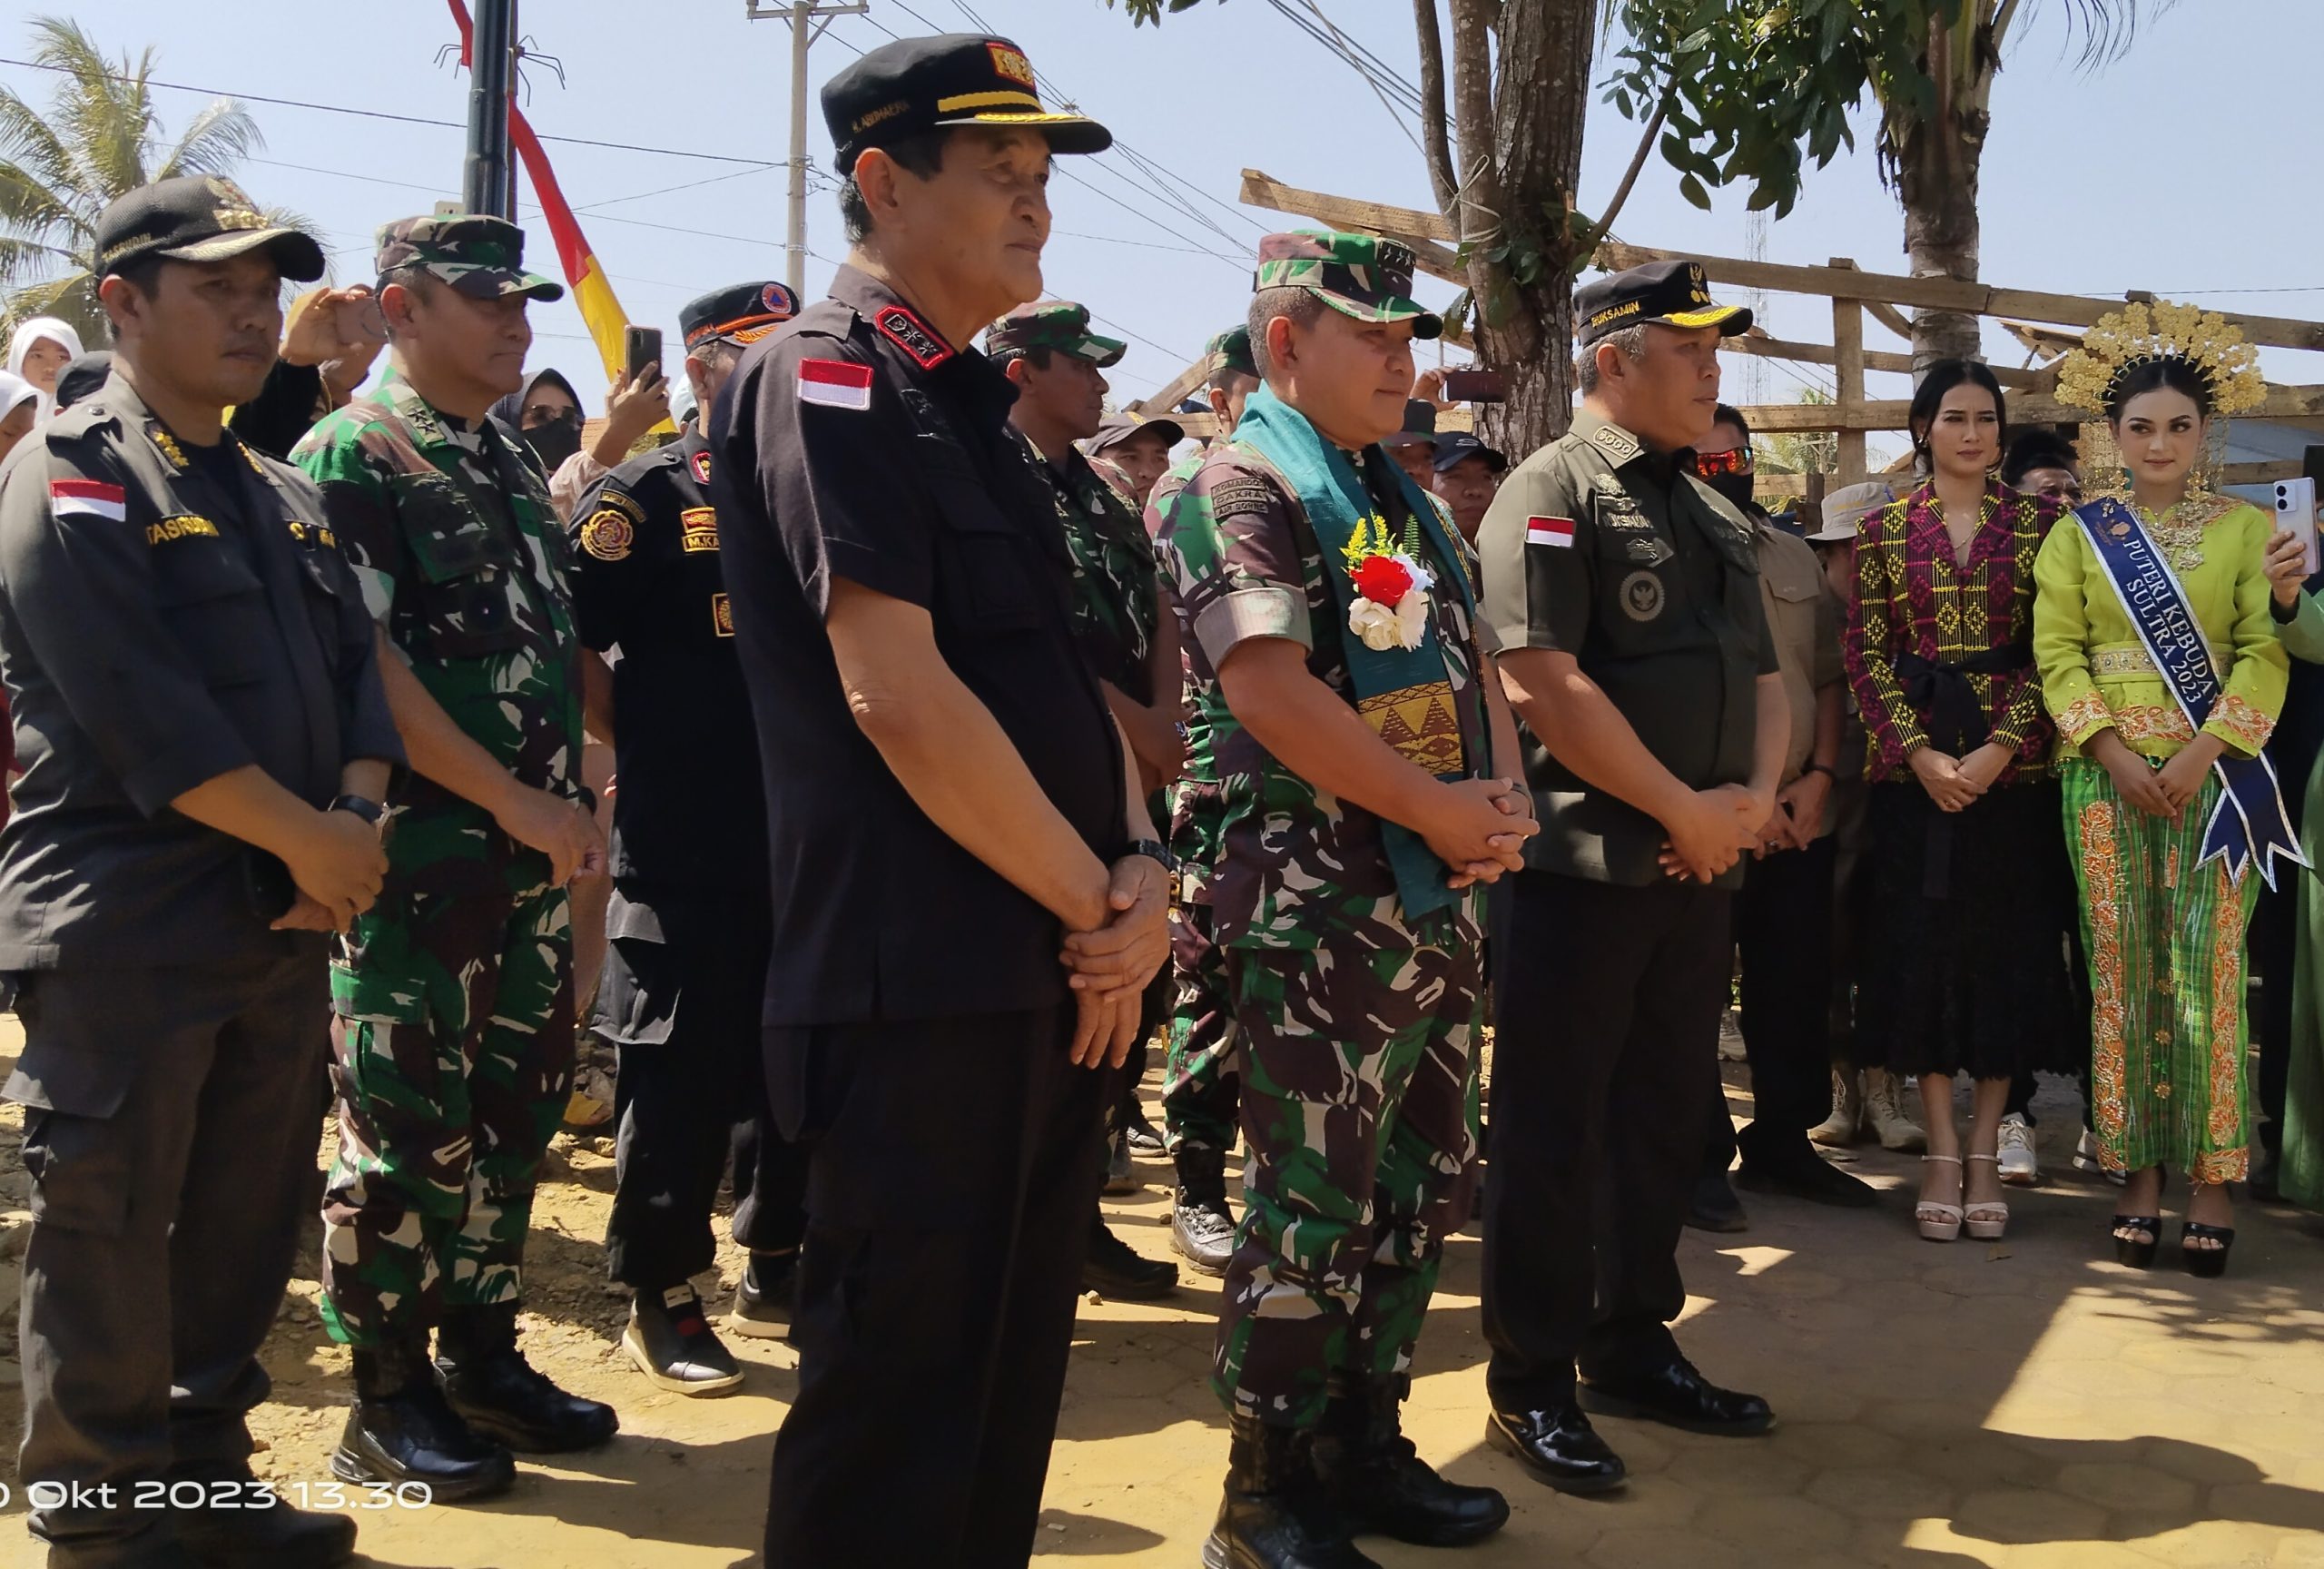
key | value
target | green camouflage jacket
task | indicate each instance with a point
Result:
(1114, 573)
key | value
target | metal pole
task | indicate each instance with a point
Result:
(794, 267)
(488, 178)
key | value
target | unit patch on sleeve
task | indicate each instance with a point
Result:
(701, 528)
(607, 535)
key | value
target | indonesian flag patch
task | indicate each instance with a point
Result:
(87, 498)
(1557, 531)
(835, 384)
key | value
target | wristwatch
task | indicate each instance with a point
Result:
(371, 812)
(1823, 768)
(1153, 850)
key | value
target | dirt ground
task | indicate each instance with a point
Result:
(2023, 1404)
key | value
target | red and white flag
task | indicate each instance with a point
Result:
(87, 498)
(835, 384)
(1557, 531)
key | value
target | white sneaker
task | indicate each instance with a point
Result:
(2018, 1162)
(2085, 1159)
(1730, 1038)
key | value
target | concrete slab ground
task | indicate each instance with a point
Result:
(2025, 1405)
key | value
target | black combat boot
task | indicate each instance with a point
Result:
(495, 1390)
(402, 1431)
(1379, 1482)
(245, 1537)
(1274, 1515)
(1202, 1229)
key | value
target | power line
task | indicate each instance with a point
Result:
(399, 119)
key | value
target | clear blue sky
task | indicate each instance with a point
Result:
(2188, 167)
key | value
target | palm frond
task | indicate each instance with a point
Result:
(105, 112)
(217, 141)
(2104, 28)
(72, 298)
(26, 141)
(31, 211)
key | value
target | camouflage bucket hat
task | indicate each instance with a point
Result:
(1362, 275)
(1054, 324)
(482, 257)
(1231, 350)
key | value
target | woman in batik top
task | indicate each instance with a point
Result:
(2164, 927)
(1963, 967)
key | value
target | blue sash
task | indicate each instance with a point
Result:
(2249, 823)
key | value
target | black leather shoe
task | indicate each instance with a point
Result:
(673, 1343)
(1274, 1515)
(1716, 1207)
(1803, 1174)
(2265, 1182)
(152, 1548)
(402, 1430)
(1202, 1230)
(1117, 1270)
(1379, 1483)
(495, 1391)
(1558, 1447)
(766, 1300)
(275, 1537)
(1678, 1396)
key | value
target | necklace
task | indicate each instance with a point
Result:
(2179, 531)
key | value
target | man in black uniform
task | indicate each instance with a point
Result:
(950, 813)
(685, 969)
(204, 744)
(1626, 596)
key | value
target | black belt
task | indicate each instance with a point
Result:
(1955, 722)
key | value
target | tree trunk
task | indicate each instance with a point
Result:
(1937, 166)
(1521, 129)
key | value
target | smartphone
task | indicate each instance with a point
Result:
(640, 347)
(2296, 513)
(1475, 385)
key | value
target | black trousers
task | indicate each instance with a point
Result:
(1783, 930)
(932, 1335)
(171, 1123)
(2274, 943)
(1607, 1002)
(685, 971)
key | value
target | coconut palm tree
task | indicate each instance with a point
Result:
(98, 138)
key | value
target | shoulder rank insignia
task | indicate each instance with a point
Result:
(701, 528)
(168, 444)
(607, 535)
(702, 467)
(913, 336)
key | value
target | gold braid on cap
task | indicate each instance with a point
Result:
(2143, 335)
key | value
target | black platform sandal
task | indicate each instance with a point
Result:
(2136, 1252)
(2207, 1263)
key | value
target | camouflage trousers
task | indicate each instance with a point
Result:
(452, 1056)
(1200, 1081)
(1360, 1109)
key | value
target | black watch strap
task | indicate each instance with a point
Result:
(1823, 768)
(371, 812)
(1153, 850)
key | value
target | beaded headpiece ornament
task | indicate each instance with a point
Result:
(2143, 335)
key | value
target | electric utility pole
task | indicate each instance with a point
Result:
(808, 18)
(488, 183)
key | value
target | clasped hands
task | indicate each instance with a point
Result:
(1111, 961)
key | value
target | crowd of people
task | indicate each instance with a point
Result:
(878, 760)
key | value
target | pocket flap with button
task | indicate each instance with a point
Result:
(216, 606)
(988, 561)
(447, 539)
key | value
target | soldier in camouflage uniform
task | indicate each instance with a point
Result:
(1200, 1084)
(453, 1040)
(1350, 939)
(1055, 362)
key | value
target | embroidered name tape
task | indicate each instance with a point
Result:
(87, 498)
(835, 384)
(1557, 531)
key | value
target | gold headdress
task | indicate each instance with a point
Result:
(2139, 334)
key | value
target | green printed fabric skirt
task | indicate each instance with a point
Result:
(2165, 942)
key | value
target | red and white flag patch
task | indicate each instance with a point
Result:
(835, 384)
(1557, 531)
(87, 498)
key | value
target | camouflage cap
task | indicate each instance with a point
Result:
(1055, 324)
(482, 257)
(1231, 350)
(1362, 275)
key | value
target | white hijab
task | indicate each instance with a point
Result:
(32, 331)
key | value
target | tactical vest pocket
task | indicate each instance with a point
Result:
(216, 606)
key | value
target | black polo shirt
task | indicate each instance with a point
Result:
(857, 443)
(648, 576)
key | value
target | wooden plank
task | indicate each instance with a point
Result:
(1888, 316)
(1404, 223)
(1180, 386)
(1781, 418)
(1848, 377)
(1874, 359)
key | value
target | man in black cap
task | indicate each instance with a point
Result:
(1057, 365)
(1414, 445)
(950, 812)
(685, 969)
(1132, 454)
(205, 743)
(1626, 596)
(1467, 476)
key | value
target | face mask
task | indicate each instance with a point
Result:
(554, 442)
(1739, 488)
